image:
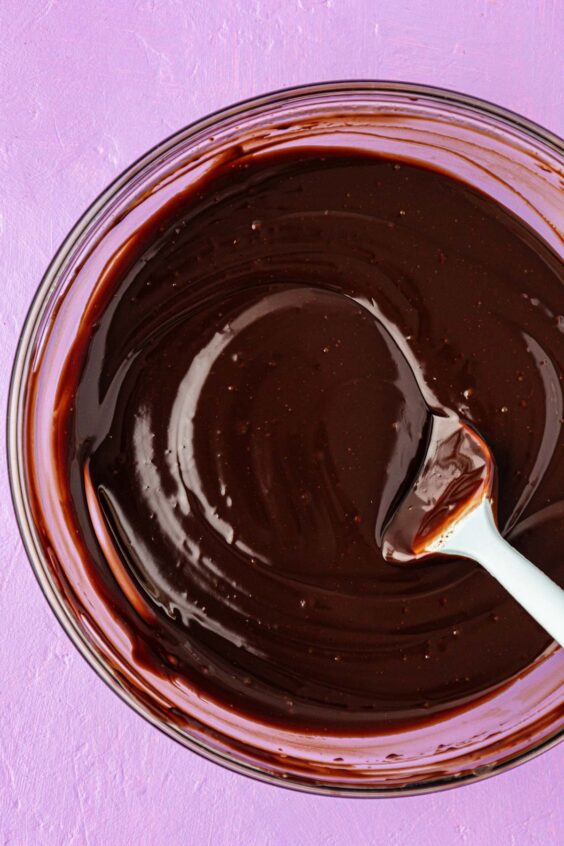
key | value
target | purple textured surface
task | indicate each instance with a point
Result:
(86, 87)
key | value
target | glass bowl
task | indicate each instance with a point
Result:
(507, 157)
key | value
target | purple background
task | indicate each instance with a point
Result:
(85, 88)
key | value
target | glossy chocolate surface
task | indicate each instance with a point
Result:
(249, 401)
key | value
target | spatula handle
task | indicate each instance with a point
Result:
(477, 536)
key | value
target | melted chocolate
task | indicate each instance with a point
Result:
(250, 401)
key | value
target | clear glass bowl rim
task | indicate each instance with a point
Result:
(432, 94)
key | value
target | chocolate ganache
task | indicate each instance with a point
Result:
(249, 400)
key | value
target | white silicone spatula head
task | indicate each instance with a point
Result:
(448, 510)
